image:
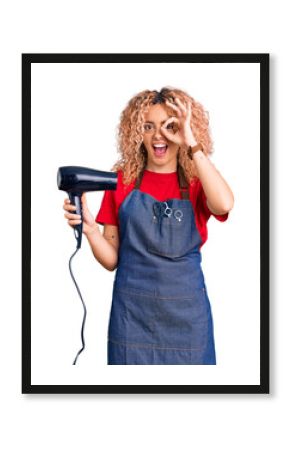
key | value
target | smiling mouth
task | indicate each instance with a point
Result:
(160, 150)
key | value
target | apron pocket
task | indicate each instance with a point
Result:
(172, 238)
(132, 318)
(184, 323)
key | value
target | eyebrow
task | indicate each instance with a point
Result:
(149, 121)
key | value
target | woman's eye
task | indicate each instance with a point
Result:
(147, 127)
(171, 127)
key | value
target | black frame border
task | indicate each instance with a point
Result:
(261, 58)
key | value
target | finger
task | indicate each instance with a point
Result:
(171, 137)
(181, 105)
(84, 198)
(85, 207)
(169, 120)
(170, 104)
(74, 222)
(70, 216)
(166, 133)
(69, 207)
(188, 108)
(174, 107)
(169, 134)
(66, 201)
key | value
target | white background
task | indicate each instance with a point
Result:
(127, 421)
(75, 111)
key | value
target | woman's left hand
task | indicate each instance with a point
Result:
(183, 136)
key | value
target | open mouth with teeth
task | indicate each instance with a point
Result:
(159, 149)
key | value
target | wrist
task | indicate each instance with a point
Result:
(90, 231)
(193, 149)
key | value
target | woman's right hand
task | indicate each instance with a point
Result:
(89, 224)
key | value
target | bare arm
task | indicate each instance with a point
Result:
(220, 198)
(105, 246)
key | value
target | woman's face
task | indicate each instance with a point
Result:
(161, 152)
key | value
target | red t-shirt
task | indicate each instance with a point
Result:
(161, 186)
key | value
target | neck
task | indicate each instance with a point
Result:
(159, 169)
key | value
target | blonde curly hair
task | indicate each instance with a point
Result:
(133, 155)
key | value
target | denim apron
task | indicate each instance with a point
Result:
(160, 311)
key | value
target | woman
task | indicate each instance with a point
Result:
(154, 227)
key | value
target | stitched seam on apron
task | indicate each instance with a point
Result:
(153, 295)
(156, 346)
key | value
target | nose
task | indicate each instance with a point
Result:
(157, 133)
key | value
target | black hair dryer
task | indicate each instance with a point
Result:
(76, 180)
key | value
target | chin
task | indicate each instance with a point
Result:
(158, 161)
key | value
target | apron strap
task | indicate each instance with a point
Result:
(139, 179)
(183, 185)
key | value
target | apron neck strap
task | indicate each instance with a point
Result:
(183, 185)
(139, 179)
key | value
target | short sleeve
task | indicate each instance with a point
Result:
(206, 211)
(108, 212)
(221, 217)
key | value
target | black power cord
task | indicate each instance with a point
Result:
(84, 306)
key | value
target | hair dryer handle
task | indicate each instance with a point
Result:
(75, 199)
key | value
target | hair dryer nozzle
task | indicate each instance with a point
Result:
(82, 179)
